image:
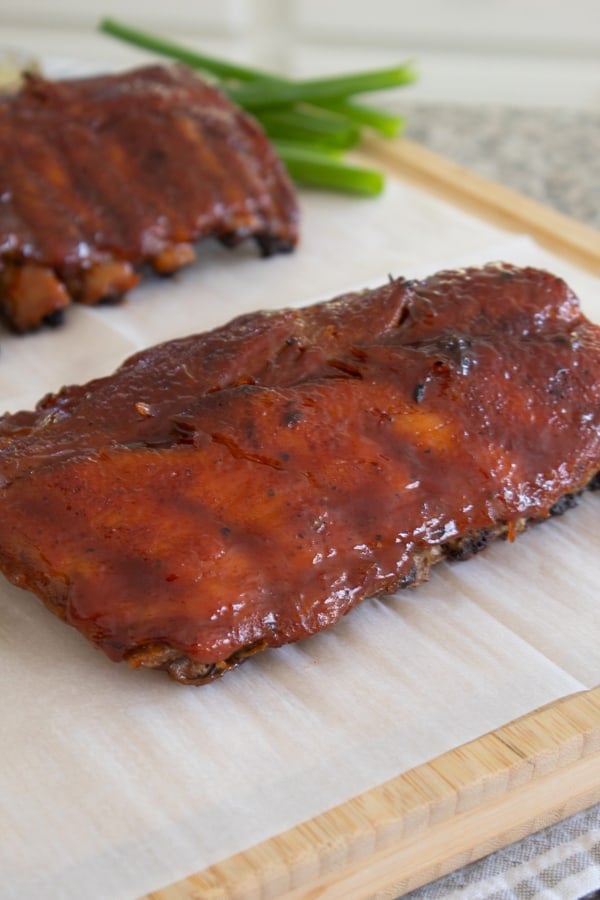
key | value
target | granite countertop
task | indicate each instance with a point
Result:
(550, 155)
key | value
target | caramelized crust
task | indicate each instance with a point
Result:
(245, 488)
(102, 175)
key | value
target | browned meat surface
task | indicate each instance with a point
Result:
(102, 175)
(246, 487)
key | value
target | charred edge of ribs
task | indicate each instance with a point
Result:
(269, 245)
(54, 319)
(195, 165)
(182, 668)
(594, 484)
(186, 670)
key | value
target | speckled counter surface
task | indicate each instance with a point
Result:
(550, 155)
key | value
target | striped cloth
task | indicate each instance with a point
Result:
(562, 862)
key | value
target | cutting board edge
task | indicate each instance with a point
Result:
(511, 210)
(426, 822)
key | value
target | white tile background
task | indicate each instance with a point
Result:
(525, 52)
(546, 26)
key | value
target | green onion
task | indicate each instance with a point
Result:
(385, 123)
(310, 121)
(260, 94)
(297, 125)
(316, 170)
(292, 148)
(218, 67)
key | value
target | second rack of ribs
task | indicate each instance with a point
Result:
(101, 175)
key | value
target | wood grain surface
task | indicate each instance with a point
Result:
(428, 821)
(575, 241)
(476, 798)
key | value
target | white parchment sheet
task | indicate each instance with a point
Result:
(115, 782)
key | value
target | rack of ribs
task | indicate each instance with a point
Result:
(244, 488)
(101, 176)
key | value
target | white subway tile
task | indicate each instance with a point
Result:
(228, 16)
(540, 25)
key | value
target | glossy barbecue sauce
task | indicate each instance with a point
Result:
(245, 488)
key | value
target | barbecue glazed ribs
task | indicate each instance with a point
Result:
(99, 176)
(246, 487)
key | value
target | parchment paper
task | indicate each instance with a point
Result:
(113, 782)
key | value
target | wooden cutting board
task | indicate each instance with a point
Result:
(476, 798)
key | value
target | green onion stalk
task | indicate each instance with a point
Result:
(311, 122)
